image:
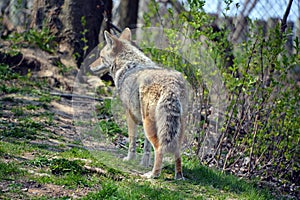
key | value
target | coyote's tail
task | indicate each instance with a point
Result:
(168, 115)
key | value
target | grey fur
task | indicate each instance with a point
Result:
(151, 95)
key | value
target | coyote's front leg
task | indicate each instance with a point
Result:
(132, 129)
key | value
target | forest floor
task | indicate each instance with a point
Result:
(42, 156)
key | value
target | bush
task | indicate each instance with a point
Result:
(260, 133)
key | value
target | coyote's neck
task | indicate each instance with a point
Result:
(127, 61)
(129, 68)
(133, 56)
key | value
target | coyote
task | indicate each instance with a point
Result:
(152, 96)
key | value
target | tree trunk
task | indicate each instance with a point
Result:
(75, 23)
(127, 14)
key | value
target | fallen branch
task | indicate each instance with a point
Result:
(96, 170)
(102, 172)
(70, 96)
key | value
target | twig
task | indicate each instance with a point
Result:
(69, 96)
(226, 158)
(253, 141)
(96, 170)
(103, 172)
(219, 147)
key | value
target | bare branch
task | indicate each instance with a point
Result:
(251, 7)
(285, 16)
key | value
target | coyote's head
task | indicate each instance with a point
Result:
(108, 55)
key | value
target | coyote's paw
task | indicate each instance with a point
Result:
(127, 158)
(150, 175)
(130, 156)
(179, 176)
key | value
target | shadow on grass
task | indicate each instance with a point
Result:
(201, 175)
(201, 182)
(135, 189)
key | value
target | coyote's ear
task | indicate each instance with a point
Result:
(110, 39)
(126, 34)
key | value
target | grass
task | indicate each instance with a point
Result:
(202, 183)
(9, 171)
(30, 163)
(66, 169)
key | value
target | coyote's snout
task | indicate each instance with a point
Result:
(152, 96)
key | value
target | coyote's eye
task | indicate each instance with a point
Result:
(102, 58)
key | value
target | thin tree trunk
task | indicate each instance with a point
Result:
(128, 13)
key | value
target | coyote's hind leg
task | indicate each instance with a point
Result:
(151, 133)
(178, 164)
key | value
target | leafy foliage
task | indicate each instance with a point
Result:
(42, 39)
(261, 131)
(61, 166)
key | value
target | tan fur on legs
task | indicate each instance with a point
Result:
(151, 133)
(132, 129)
(157, 162)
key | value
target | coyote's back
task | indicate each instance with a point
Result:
(152, 96)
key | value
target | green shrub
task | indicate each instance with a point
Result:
(261, 129)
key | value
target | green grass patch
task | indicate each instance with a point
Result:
(9, 89)
(77, 153)
(60, 171)
(104, 108)
(201, 183)
(10, 171)
(12, 82)
(29, 121)
(25, 128)
(67, 170)
(134, 189)
(32, 107)
(114, 161)
(68, 180)
(110, 128)
(15, 148)
(61, 166)
(57, 166)
(225, 182)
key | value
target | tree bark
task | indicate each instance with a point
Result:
(128, 13)
(75, 23)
